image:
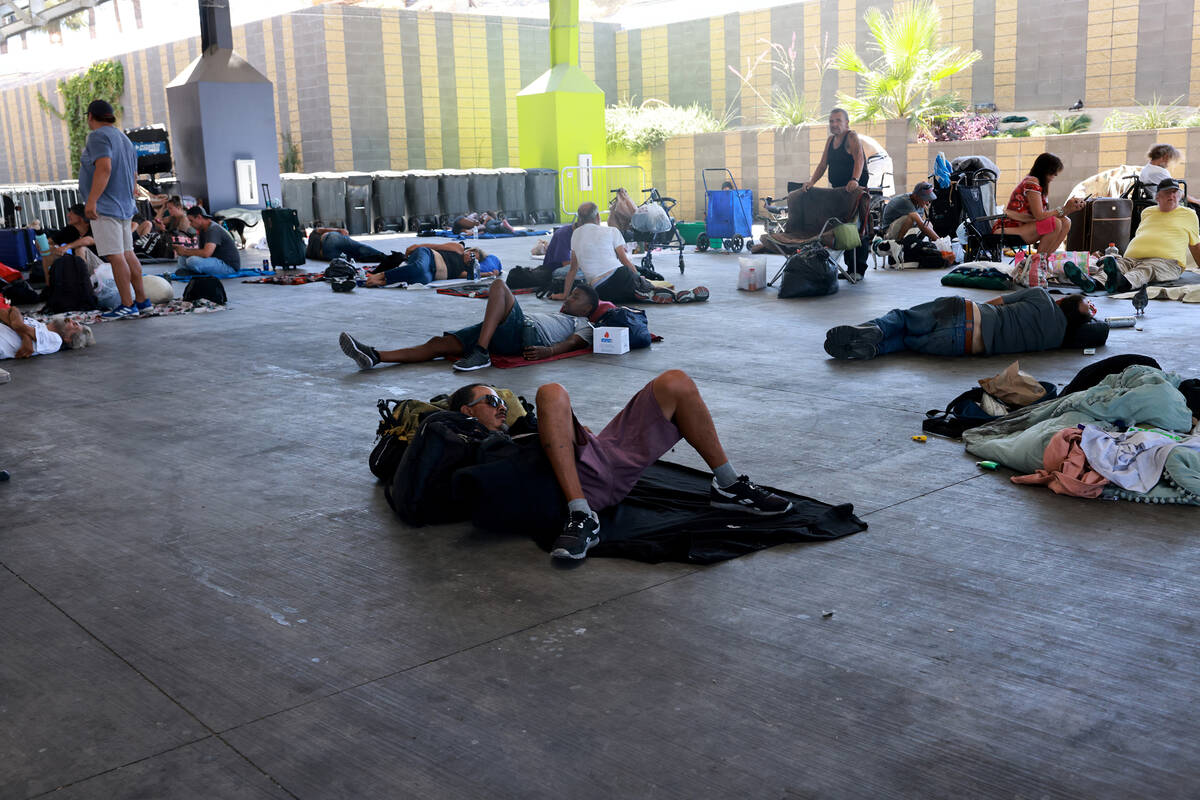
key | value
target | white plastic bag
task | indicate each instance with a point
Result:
(651, 218)
(752, 273)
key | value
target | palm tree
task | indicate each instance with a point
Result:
(902, 81)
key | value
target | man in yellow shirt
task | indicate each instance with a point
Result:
(1159, 250)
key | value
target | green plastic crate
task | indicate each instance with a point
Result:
(690, 231)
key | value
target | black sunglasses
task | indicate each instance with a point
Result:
(491, 400)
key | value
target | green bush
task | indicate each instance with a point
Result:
(1149, 116)
(642, 127)
(1060, 125)
(104, 80)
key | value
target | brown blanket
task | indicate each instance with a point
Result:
(809, 211)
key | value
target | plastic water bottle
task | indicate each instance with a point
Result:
(752, 281)
(1112, 250)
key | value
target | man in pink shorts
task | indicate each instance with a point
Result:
(598, 471)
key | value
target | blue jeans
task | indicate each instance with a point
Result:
(334, 244)
(198, 265)
(418, 268)
(511, 338)
(938, 328)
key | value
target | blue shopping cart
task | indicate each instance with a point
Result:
(728, 214)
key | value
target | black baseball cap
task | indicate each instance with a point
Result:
(198, 211)
(102, 110)
(924, 191)
(1167, 184)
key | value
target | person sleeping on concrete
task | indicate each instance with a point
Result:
(1020, 322)
(598, 471)
(506, 329)
(22, 338)
(1159, 250)
(484, 221)
(425, 263)
(326, 244)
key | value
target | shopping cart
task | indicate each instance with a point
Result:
(728, 215)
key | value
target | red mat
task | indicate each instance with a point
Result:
(512, 362)
(467, 291)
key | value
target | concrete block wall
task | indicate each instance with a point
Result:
(369, 88)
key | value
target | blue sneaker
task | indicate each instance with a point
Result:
(120, 312)
(144, 308)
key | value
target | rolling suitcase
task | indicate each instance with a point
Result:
(285, 237)
(18, 247)
(1103, 221)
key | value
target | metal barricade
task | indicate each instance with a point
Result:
(577, 185)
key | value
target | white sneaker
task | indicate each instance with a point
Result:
(4, 376)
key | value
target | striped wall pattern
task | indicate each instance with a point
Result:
(386, 88)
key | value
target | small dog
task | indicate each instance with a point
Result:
(236, 227)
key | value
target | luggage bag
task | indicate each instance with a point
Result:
(1103, 221)
(285, 237)
(18, 247)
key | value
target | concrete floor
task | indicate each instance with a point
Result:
(205, 595)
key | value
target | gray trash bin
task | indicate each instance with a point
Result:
(484, 189)
(296, 192)
(329, 199)
(512, 195)
(541, 194)
(360, 212)
(389, 200)
(421, 193)
(453, 185)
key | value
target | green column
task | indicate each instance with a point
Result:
(560, 115)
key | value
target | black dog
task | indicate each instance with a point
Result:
(236, 227)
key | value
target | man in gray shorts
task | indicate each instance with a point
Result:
(598, 471)
(506, 330)
(107, 179)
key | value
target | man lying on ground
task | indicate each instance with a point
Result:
(425, 263)
(1020, 322)
(1158, 251)
(598, 471)
(21, 338)
(326, 244)
(505, 330)
(484, 221)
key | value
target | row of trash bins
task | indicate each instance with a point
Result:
(374, 202)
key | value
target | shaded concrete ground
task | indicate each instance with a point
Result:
(204, 593)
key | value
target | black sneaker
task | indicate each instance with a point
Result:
(743, 495)
(478, 358)
(580, 534)
(364, 355)
(853, 341)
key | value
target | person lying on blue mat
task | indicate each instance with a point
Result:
(505, 330)
(424, 263)
(1019, 322)
(326, 244)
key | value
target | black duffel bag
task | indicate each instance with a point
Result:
(809, 272)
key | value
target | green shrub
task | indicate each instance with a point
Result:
(642, 127)
(1060, 125)
(1149, 116)
(104, 80)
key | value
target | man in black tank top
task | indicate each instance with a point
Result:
(847, 165)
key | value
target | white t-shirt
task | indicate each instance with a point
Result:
(595, 248)
(45, 341)
(1153, 174)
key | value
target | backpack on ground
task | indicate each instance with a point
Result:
(923, 253)
(399, 422)
(70, 286)
(342, 275)
(420, 492)
(632, 318)
(809, 272)
(966, 411)
(205, 287)
(528, 278)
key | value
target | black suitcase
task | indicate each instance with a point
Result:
(285, 237)
(1103, 221)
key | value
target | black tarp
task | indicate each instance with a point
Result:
(666, 516)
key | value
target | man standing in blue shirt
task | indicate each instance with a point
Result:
(108, 179)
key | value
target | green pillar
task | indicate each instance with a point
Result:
(560, 116)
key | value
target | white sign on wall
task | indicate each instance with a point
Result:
(247, 182)
(585, 172)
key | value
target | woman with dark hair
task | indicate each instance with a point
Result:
(1029, 214)
(1019, 322)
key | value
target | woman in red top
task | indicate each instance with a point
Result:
(1028, 213)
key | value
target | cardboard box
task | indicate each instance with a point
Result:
(613, 341)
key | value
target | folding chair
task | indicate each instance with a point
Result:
(982, 243)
